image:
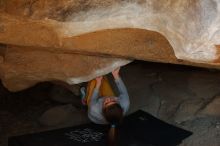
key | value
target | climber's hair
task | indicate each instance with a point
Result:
(114, 115)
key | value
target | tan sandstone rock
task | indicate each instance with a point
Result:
(22, 69)
(191, 27)
(172, 31)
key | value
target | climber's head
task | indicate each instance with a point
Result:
(112, 110)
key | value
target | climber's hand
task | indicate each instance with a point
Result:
(98, 81)
(115, 73)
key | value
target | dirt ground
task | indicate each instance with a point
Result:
(184, 96)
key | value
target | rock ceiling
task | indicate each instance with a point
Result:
(77, 40)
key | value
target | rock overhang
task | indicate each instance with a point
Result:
(172, 32)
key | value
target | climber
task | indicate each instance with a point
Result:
(103, 106)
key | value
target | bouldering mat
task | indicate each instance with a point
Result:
(144, 129)
(138, 129)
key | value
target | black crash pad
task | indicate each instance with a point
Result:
(138, 129)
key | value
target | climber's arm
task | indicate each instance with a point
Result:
(95, 93)
(123, 93)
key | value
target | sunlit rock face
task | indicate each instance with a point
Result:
(22, 69)
(172, 31)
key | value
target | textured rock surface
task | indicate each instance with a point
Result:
(62, 94)
(212, 108)
(22, 69)
(62, 115)
(192, 26)
(172, 31)
(187, 110)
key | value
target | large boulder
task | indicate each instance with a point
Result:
(99, 33)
